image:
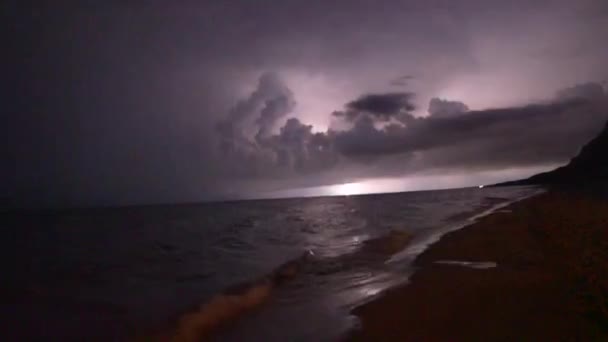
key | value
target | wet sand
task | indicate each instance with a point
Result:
(549, 283)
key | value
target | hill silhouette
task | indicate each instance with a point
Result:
(589, 166)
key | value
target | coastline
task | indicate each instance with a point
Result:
(472, 217)
(549, 283)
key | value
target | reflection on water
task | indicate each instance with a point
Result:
(120, 272)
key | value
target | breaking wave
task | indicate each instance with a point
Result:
(239, 299)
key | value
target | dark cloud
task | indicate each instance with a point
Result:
(251, 147)
(383, 104)
(273, 110)
(269, 102)
(382, 107)
(299, 149)
(525, 135)
(586, 91)
(445, 108)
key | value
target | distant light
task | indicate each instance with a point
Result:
(481, 186)
(348, 189)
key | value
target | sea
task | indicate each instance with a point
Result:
(116, 274)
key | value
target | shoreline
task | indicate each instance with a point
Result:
(212, 317)
(473, 218)
(535, 289)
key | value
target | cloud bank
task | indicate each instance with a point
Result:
(382, 129)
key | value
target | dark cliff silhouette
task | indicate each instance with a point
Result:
(589, 166)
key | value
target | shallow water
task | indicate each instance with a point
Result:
(101, 274)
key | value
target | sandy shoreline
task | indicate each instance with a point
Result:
(549, 283)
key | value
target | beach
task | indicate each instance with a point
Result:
(542, 276)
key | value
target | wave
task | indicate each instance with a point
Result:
(480, 265)
(240, 299)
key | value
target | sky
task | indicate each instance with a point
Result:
(132, 102)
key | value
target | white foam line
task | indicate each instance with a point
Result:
(480, 265)
(416, 249)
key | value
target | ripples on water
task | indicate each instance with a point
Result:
(111, 273)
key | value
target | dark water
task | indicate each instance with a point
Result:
(107, 274)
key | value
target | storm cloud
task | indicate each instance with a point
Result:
(450, 137)
(119, 102)
(445, 108)
(461, 138)
(270, 101)
(382, 106)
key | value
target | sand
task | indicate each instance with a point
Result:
(544, 277)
